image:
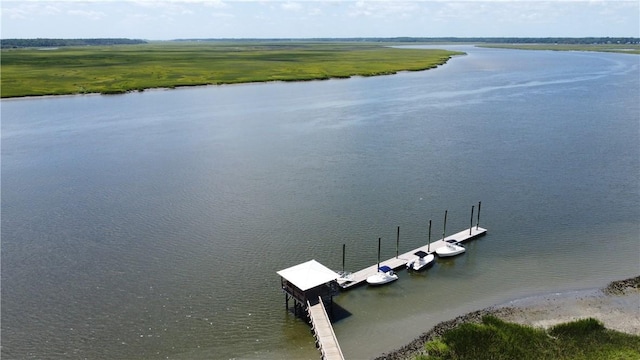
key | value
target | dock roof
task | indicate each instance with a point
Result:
(308, 275)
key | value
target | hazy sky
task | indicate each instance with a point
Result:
(172, 19)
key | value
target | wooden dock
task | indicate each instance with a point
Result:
(361, 276)
(323, 331)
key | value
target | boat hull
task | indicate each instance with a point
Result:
(418, 264)
(450, 250)
(381, 278)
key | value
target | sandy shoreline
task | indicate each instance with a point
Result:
(617, 306)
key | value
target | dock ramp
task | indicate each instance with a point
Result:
(323, 331)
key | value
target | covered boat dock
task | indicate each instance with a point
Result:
(309, 284)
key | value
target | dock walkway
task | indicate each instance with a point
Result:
(361, 276)
(323, 331)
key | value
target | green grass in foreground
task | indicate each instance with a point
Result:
(118, 69)
(617, 48)
(495, 339)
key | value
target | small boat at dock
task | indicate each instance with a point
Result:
(345, 277)
(384, 275)
(452, 248)
(421, 261)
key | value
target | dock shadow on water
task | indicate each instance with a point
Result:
(338, 313)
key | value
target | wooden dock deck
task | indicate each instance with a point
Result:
(323, 331)
(361, 276)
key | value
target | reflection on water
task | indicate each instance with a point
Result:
(151, 225)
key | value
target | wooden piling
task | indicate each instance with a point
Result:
(471, 221)
(397, 241)
(444, 228)
(429, 243)
(360, 276)
(378, 253)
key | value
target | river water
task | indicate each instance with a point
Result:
(151, 225)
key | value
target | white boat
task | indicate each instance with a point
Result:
(345, 277)
(452, 248)
(421, 261)
(384, 275)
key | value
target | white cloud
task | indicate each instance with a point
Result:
(16, 13)
(216, 4)
(92, 15)
(384, 9)
(222, 15)
(315, 11)
(318, 18)
(34, 8)
(291, 6)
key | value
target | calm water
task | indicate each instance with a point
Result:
(151, 225)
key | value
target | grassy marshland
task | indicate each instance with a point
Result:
(495, 339)
(122, 68)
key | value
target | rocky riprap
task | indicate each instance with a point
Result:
(622, 286)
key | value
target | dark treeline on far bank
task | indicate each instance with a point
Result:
(492, 40)
(523, 40)
(22, 43)
(43, 42)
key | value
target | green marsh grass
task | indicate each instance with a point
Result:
(495, 339)
(119, 69)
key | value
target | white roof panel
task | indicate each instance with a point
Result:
(308, 275)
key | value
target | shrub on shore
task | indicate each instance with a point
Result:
(496, 339)
(598, 342)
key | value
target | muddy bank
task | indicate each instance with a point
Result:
(617, 306)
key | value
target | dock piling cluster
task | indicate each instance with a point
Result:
(400, 260)
(309, 284)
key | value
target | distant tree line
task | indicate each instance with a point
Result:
(493, 40)
(510, 40)
(22, 43)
